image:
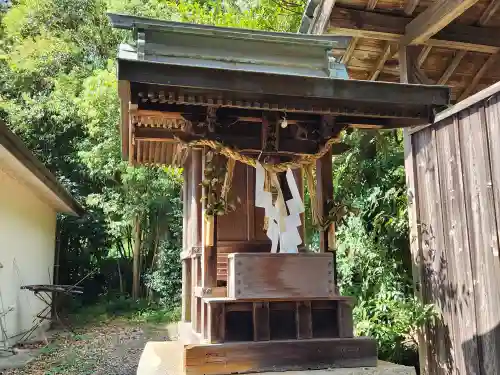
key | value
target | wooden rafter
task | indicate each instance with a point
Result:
(451, 68)
(423, 55)
(472, 86)
(386, 53)
(371, 4)
(318, 26)
(408, 65)
(371, 25)
(489, 12)
(350, 50)
(434, 19)
(410, 6)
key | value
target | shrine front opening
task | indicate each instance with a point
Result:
(253, 118)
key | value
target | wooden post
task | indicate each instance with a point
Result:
(250, 202)
(196, 206)
(194, 299)
(187, 290)
(209, 265)
(324, 193)
(297, 174)
(261, 328)
(216, 322)
(187, 287)
(303, 320)
(193, 234)
(345, 319)
(209, 249)
(185, 230)
(408, 65)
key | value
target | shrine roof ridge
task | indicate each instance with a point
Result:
(123, 21)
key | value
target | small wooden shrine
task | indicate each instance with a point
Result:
(250, 116)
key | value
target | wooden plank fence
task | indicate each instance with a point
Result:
(453, 175)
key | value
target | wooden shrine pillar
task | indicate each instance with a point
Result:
(193, 275)
(324, 194)
(209, 246)
(196, 205)
(186, 261)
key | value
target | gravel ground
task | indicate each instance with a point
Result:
(113, 348)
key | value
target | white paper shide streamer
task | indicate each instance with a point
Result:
(282, 224)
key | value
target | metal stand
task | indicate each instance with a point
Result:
(45, 293)
(5, 338)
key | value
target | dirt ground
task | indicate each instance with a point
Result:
(111, 348)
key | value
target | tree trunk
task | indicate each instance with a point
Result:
(120, 277)
(154, 259)
(136, 277)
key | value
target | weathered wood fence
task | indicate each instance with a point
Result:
(453, 173)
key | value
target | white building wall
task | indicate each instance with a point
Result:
(27, 246)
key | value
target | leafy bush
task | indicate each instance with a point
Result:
(166, 279)
(386, 309)
(373, 252)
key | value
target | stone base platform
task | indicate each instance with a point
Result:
(166, 358)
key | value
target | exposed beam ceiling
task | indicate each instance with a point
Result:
(350, 50)
(386, 53)
(423, 55)
(475, 81)
(451, 68)
(489, 12)
(434, 19)
(365, 24)
(410, 6)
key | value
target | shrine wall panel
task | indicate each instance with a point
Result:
(453, 174)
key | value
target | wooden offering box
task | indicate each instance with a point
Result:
(261, 275)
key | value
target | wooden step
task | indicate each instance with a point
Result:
(284, 355)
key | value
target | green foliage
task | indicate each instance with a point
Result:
(373, 245)
(165, 280)
(124, 308)
(261, 14)
(58, 91)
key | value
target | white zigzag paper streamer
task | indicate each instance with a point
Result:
(288, 237)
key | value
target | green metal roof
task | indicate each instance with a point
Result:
(185, 44)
